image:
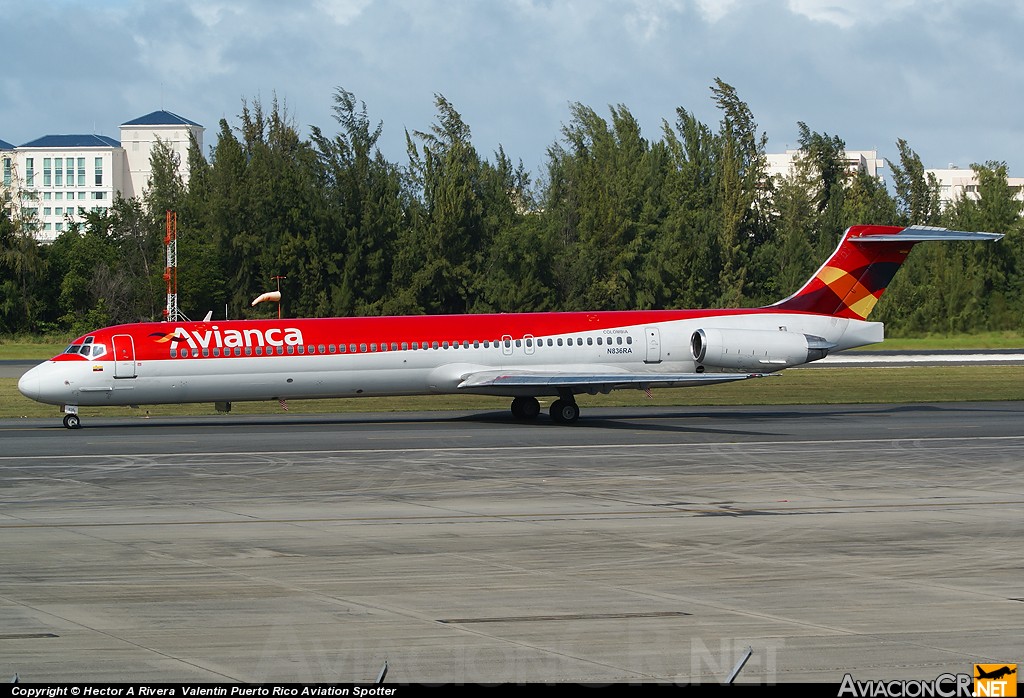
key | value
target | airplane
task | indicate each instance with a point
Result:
(996, 673)
(523, 356)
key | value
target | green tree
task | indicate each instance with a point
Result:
(444, 251)
(21, 267)
(740, 191)
(366, 204)
(684, 265)
(917, 193)
(605, 202)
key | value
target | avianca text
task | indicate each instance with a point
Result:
(247, 337)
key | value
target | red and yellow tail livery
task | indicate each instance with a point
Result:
(850, 283)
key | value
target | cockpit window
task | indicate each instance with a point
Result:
(88, 350)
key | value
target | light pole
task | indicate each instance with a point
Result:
(278, 278)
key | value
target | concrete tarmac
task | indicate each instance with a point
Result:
(640, 545)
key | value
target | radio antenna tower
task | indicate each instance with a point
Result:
(171, 312)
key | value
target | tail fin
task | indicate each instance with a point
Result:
(856, 275)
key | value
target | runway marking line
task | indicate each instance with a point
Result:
(556, 447)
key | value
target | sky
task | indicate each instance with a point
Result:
(946, 76)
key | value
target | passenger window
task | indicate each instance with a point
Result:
(434, 345)
(405, 346)
(174, 353)
(629, 340)
(394, 346)
(590, 341)
(301, 349)
(195, 353)
(248, 351)
(332, 348)
(259, 351)
(559, 341)
(291, 349)
(311, 349)
(206, 353)
(352, 348)
(618, 340)
(529, 342)
(280, 351)
(519, 342)
(320, 349)
(599, 341)
(373, 346)
(415, 345)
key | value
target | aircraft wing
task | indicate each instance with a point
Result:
(523, 378)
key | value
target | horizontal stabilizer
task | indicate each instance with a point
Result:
(927, 233)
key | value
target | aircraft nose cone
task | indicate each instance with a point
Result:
(28, 384)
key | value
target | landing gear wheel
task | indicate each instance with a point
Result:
(71, 421)
(564, 412)
(525, 408)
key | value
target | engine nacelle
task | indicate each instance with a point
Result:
(756, 350)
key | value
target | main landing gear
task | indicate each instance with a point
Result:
(525, 408)
(564, 410)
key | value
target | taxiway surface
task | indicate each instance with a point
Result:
(642, 544)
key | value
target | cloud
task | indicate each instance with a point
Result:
(949, 77)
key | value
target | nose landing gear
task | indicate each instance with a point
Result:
(71, 420)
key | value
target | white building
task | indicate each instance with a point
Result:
(783, 164)
(54, 180)
(955, 182)
(138, 137)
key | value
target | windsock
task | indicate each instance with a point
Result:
(269, 296)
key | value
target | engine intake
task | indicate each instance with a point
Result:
(760, 350)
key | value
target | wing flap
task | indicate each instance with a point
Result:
(560, 379)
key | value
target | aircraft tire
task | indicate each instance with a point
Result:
(71, 421)
(564, 412)
(525, 408)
